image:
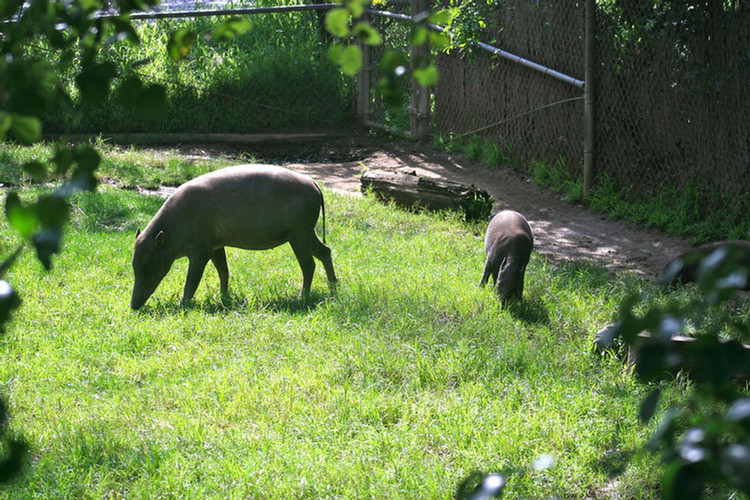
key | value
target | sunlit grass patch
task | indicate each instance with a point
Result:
(397, 385)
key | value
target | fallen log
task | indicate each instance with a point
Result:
(407, 189)
(703, 358)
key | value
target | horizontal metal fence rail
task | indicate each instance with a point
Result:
(226, 12)
(492, 50)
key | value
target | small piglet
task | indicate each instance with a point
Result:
(255, 207)
(508, 244)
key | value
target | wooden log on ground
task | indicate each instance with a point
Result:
(702, 358)
(409, 190)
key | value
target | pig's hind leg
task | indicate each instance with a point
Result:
(323, 254)
(490, 270)
(301, 248)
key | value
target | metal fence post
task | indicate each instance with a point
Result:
(363, 83)
(420, 96)
(589, 97)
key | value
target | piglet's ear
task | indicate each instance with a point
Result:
(137, 232)
(159, 240)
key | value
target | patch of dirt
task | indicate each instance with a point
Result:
(562, 231)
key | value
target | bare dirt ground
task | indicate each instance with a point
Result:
(562, 230)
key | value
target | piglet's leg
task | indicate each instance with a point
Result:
(487, 273)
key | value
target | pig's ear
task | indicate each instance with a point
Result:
(159, 240)
(137, 232)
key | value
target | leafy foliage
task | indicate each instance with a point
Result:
(466, 25)
(347, 26)
(700, 67)
(707, 441)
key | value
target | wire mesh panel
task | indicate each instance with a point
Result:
(673, 97)
(525, 110)
(672, 84)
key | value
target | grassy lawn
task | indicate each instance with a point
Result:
(397, 386)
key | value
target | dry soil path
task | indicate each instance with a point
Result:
(563, 231)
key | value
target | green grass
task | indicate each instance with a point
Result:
(397, 386)
(128, 168)
(678, 210)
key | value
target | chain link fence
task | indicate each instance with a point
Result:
(672, 102)
(375, 110)
(671, 85)
(532, 115)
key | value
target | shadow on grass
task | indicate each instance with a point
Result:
(235, 303)
(529, 310)
(576, 274)
(614, 461)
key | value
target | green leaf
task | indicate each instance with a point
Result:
(664, 431)
(35, 169)
(367, 34)
(53, 211)
(649, 405)
(394, 63)
(47, 244)
(90, 5)
(652, 361)
(337, 22)
(63, 159)
(125, 31)
(682, 481)
(94, 79)
(356, 7)
(439, 41)
(441, 17)
(21, 218)
(230, 28)
(12, 466)
(149, 102)
(26, 129)
(83, 177)
(130, 92)
(87, 157)
(426, 76)
(334, 52)
(389, 91)
(179, 44)
(351, 60)
(9, 8)
(419, 36)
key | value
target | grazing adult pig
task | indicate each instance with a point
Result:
(255, 207)
(684, 268)
(508, 243)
